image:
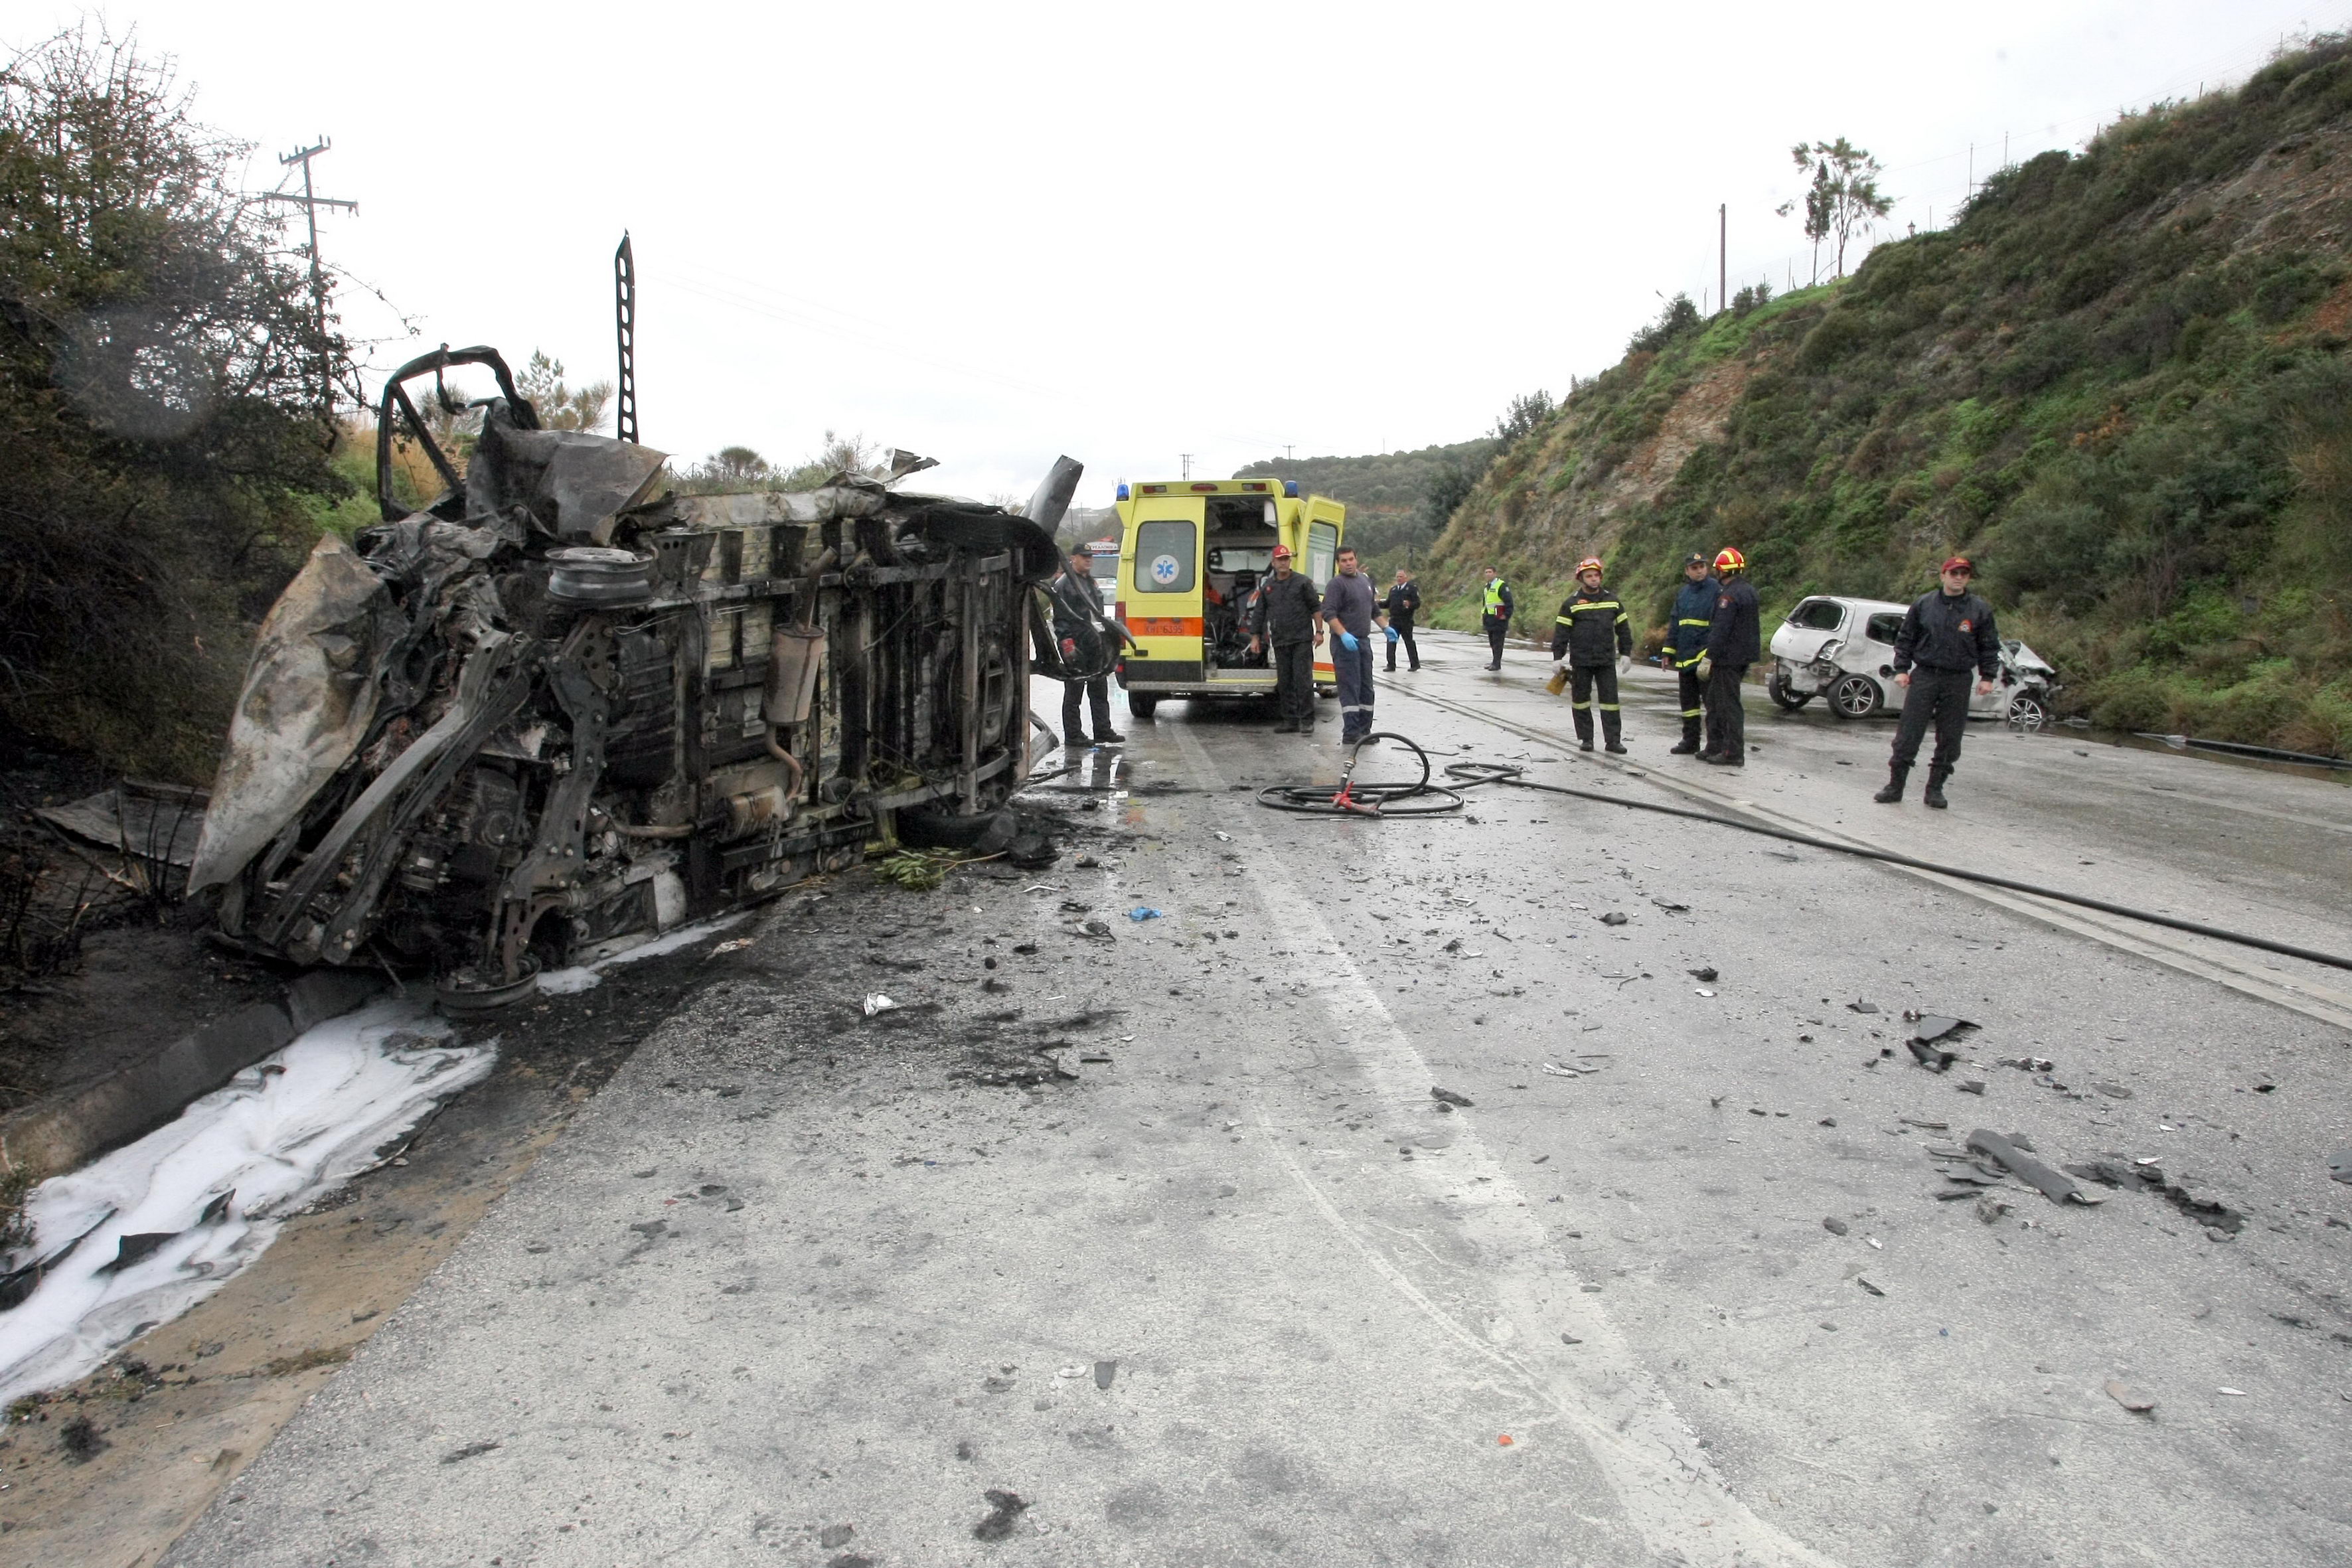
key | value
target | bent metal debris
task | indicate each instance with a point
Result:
(559, 710)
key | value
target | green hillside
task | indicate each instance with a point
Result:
(2119, 382)
(1388, 494)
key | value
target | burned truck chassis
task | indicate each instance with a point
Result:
(667, 708)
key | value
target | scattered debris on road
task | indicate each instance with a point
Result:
(2055, 1186)
(1446, 1097)
(2131, 1399)
(1004, 1508)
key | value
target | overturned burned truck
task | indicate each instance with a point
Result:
(559, 710)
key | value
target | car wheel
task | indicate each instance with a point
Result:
(1777, 688)
(2027, 712)
(1856, 697)
(1141, 705)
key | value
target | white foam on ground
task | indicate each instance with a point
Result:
(276, 1139)
(588, 976)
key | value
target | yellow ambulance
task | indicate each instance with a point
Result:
(1192, 554)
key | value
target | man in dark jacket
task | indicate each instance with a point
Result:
(1591, 635)
(1080, 632)
(1284, 617)
(1733, 643)
(1402, 605)
(1947, 636)
(1686, 627)
(1496, 620)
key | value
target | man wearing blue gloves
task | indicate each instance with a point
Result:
(1350, 610)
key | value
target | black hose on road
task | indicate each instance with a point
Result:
(1473, 774)
(1417, 798)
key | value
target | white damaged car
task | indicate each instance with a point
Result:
(1843, 649)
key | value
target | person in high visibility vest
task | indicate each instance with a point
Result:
(1498, 617)
(1693, 612)
(1592, 637)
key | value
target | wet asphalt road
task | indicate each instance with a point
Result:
(802, 1287)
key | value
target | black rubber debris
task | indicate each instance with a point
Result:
(470, 1451)
(1613, 917)
(130, 1249)
(1704, 976)
(1448, 1096)
(1835, 1226)
(79, 1441)
(1003, 1508)
(2055, 1186)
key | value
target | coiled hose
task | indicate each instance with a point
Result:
(1368, 799)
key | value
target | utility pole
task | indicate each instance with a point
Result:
(310, 201)
(1722, 254)
(624, 315)
(1186, 458)
(1285, 451)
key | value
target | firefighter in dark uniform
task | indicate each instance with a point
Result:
(1591, 635)
(1947, 636)
(1496, 602)
(1733, 643)
(1284, 615)
(1694, 612)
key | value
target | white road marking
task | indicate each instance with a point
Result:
(2308, 997)
(1651, 1458)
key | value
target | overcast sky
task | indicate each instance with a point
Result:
(993, 233)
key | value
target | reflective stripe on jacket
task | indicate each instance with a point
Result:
(1499, 600)
(1693, 612)
(1592, 628)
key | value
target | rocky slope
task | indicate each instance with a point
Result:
(2119, 381)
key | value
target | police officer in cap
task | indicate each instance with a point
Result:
(1947, 636)
(1693, 612)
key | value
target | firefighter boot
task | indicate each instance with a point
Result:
(1689, 746)
(1582, 714)
(1612, 725)
(1935, 795)
(1896, 778)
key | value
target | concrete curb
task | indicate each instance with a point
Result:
(74, 1126)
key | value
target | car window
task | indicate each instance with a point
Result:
(1163, 557)
(1882, 628)
(1241, 558)
(1818, 615)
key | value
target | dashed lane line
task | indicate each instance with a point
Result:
(1670, 1493)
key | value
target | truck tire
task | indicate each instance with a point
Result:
(1142, 705)
(1856, 697)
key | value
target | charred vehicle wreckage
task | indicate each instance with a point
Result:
(559, 710)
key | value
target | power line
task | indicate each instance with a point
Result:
(310, 201)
